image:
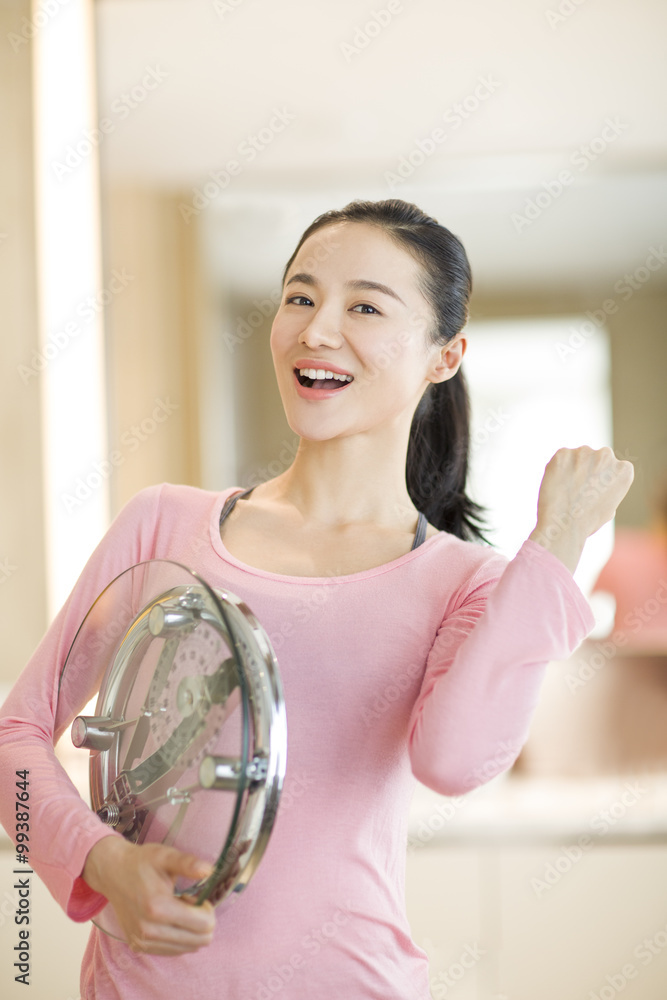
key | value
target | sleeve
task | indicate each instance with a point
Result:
(484, 671)
(63, 828)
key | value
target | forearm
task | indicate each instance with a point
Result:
(565, 543)
(107, 854)
(62, 827)
(480, 689)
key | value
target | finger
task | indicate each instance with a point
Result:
(192, 927)
(183, 928)
(205, 907)
(182, 916)
(176, 863)
(165, 940)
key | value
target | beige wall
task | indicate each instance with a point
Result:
(22, 585)
(265, 443)
(639, 369)
(561, 944)
(152, 335)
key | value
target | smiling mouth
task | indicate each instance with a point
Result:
(318, 378)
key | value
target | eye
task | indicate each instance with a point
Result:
(295, 297)
(365, 305)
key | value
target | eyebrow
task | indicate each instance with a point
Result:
(361, 283)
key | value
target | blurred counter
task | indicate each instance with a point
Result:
(513, 810)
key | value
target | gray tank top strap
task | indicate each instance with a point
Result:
(420, 533)
(230, 502)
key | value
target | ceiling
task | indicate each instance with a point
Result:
(340, 94)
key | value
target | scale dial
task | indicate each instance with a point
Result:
(188, 743)
(185, 686)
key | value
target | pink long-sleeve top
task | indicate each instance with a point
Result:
(426, 668)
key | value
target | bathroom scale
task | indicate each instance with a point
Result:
(188, 740)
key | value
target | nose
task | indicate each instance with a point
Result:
(323, 330)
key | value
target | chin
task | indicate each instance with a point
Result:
(314, 426)
(312, 430)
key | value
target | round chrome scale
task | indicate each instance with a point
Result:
(188, 741)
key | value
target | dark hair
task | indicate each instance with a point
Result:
(437, 459)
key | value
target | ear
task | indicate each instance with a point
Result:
(447, 361)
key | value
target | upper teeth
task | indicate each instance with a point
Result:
(323, 373)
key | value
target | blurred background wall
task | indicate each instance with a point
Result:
(22, 552)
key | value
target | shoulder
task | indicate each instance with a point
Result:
(480, 562)
(463, 566)
(164, 499)
(166, 510)
(473, 556)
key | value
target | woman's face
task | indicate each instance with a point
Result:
(334, 318)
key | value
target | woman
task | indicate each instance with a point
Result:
(406, 649)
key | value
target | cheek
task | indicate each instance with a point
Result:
(279, 342)
(275, 337)
(393, 361)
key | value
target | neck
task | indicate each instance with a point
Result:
(345, 479)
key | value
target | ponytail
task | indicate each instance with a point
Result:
(437, 458)
(437, 462)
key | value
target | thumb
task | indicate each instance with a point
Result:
(176, 863)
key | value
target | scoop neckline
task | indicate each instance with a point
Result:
(227, 556)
